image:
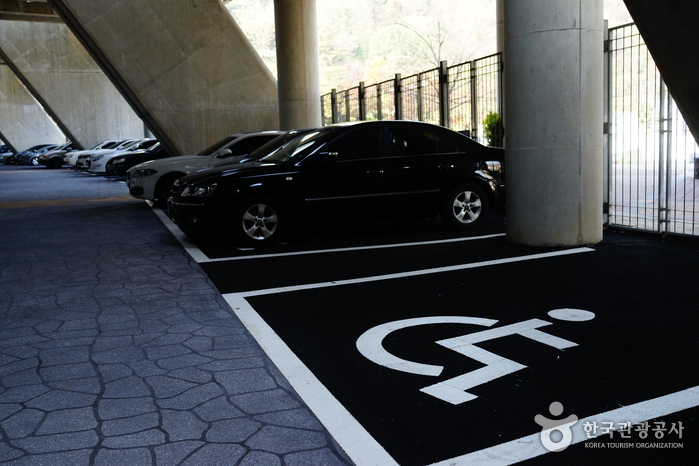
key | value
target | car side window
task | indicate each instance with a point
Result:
(446, 144)
(360, 144)
(411, 140)
(247, 146)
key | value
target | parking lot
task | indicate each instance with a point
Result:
(412, 344)
(416, 346)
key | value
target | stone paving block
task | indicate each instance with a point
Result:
(261, 458)
(68, 371)
(191, 398)
(134, 456)
(217, 409)
(283, 440)
(323, 456)
(182, 425)
(174, 452)
(232, 430)
(25, 377)
(22, 424)
(57, 442)
(300, 418)
(140, 439)
(245, 380)
(128, 387)
(61, 399)
(265, 402)
(191, 374)
(68, 420)
(218, 454)
(130, 425)
(127, 407)
(167, 387)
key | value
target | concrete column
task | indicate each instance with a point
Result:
(297, 63)
(23, 122)
(554, 89)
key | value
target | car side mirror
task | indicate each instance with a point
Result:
(224, 153)
(327, 158)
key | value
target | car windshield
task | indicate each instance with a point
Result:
(297, 148)
(223, 142)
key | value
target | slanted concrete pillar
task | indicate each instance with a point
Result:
(85, 104)
(297, 63)
(23, 122)
(554, 89)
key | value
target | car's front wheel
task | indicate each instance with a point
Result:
(163, 188)
(258, 221)
(465, 207)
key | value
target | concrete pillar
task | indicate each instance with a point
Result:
(23, 122)
(185, 67)
(554, 89)
(297, 63)
(81, 98)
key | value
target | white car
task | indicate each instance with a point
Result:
(153, 180)
(98, 161)
(85, 159)
(72, 157)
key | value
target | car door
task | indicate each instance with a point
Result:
(344, 178)
(420, 163)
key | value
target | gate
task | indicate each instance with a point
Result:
(651, 153)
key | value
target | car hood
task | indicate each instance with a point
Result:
(180, 162)
(213, 174)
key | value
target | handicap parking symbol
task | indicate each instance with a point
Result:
(454, 390)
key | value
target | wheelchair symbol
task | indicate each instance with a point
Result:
(454, 390)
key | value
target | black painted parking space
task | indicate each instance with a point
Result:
(641, 343)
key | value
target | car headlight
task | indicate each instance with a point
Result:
(143, 173)
(95, 159)
(119, 160)
(199, 191)
(493, 166)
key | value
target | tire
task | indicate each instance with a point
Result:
(258, 221)
(163, 188)
(465, 207)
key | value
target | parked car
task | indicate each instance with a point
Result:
(345, 173)
(98, 162)
(84, 160)
(118, 166)
(54, 158)
(71, 158)
(22, 156)
(153, 180)
(5, 152)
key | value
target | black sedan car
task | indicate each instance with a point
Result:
(345, 173)
(119, 165)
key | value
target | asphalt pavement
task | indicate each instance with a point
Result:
(404, 344)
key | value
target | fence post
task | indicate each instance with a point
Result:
(362, 101)
(443, 94)
(348, 109)
(473, 81)
(398, 96)
(419, 98)
(333, 105)
(379, 112)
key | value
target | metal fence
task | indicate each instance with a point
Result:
(457, 97)
(651, 173)
(651, 152)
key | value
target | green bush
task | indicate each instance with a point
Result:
(492, 129)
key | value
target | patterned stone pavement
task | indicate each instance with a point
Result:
(116, 349)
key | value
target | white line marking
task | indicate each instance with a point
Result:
(357, 442)
(530, 446)
(345, 429)
(193, 251)
(415, 273)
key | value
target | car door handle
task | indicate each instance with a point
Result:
(374, 172)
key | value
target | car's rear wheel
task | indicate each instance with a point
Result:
(465, 207)
(164, 186)
(258, 221)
